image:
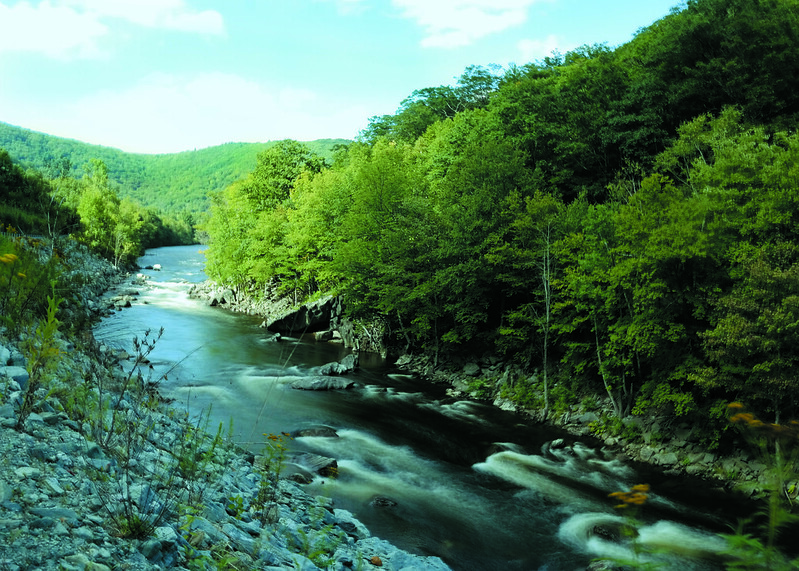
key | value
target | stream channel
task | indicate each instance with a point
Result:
(477, 486)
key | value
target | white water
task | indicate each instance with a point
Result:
(473, 484)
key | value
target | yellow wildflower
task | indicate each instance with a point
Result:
(635, 497)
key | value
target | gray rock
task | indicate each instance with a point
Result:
(151, 549)
(471, 369)
(316, 463)
(350, 525)
(17, 373)
(209, 530)
(382, 502)
(166, 535)
(333, 369)
(322, 383)
(241, 540)
(308, 318)
(56, 513)
(7, 412)
(6, 491)
(667, 459)
(326, 335)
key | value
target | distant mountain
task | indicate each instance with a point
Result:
(170, 182)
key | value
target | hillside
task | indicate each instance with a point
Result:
(170, 182)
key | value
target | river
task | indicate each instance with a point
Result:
(474, 485)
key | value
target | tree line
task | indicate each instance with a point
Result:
(172, 183)
(89, 208)
(620, 222)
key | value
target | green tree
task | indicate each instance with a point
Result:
(752, 346)
(526, 263)
(277, 169)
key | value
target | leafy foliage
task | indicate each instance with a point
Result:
(171, 183)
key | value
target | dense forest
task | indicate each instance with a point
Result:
(117, 203)
(87, 208)
(621, 222)
(174, 183)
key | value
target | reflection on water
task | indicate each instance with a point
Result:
(462, 480)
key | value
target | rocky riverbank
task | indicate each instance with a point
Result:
(104, 475)
(676, 447)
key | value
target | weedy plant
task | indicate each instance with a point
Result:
(778, 448)
(25, 283)
(318, 546)
(41, 351)
(148, 488)
(270, 467)
(629, 503)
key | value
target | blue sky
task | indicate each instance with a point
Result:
(160, 76)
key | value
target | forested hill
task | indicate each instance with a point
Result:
(621, 224)
(169, 182)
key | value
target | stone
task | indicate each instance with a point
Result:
(209, 530)
(322, 383)
(56, 513)
(326, 335)
(6, 491)
(25, 472)
(321, 465)
(667, 459)
(382, 502)
(350, 525)
(151, 548)
(16, 373)
(308, 318)
(471, 369)
(7, 412)
(166, 535)
(324, 431)
(241, 540)
(53, 485)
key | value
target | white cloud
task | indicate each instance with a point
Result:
(66, 29)
(170, 113)
(534, 50)
(56, 31)
(456, 23)
(166, 14)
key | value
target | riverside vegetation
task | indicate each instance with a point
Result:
(612, 232)
(97, 472)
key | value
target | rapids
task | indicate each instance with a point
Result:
(477, 486)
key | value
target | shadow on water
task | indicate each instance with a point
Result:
(479, 487)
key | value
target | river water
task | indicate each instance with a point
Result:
(477, 486)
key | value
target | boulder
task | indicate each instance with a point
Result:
(308, 318)
(18, 374)
(324, 431)
(471, 369)
(333, 369)
(346, 365)
(316, 464)
(382, 502)
(322, 383)
(326, 335)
